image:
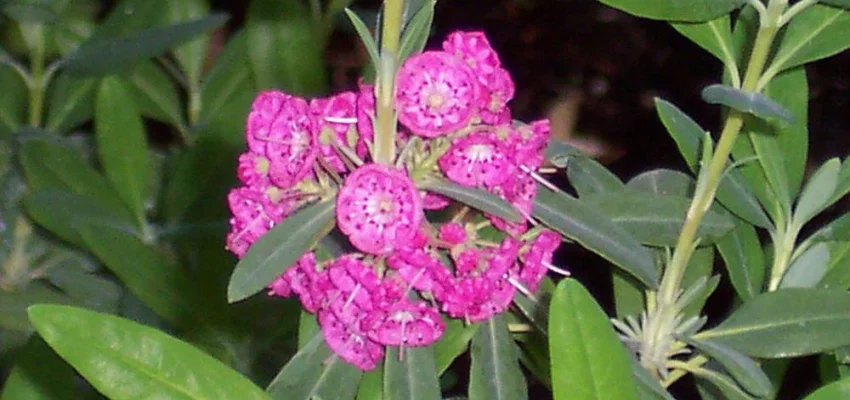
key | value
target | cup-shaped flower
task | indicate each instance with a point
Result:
(477, 159)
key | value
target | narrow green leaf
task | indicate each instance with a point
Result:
(122, 143)
(455, 341)
(676, 10)
(279, 248)
(589, 177)
(818, 32)
(663, 182)
(412, 375)
(817, 192)
(732, 192)
(726, 387)
(365, 35)
(786, 323)
(593, 230)
(475, 198)
(838, 269)
(315, 372)
(748, 374)
(629, 296)
(699, 274)
(837, 3)
(71, 102)
(191, 55)
(834, 391)
(747, 102)
(657, 219)
(836, 230)
(230, 76)
(588, 360)
(536, 309)
(284, 49)
(560, 153)
(108, 55)
(648, 387)
(495, 373)
(417, 31)
(371, 386)
(65, 213)
(123, 359)
(13, 102)
(808, 269)
(39, 374)
(715, 36)
(163, 286)
(156, 95)
(743, 259)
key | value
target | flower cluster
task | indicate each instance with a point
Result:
(407, 271)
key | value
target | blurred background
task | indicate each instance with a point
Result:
(593, 71)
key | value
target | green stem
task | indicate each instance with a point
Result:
(783, 254)
(385, 132)
(37, 85)
(660, 327)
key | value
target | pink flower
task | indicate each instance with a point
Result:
(520, 191)
(433, 201)
(535, 257)
(421, 271)
(467, 261)
(498, 91)
(474, 49)
(354, 281)
(253, 169)
(406, 323)
(478, 159)
(379, 209)
(337, 117)
(350, 342)
(282, 127)
(437, 94)
(295, 279)
(365, 119)
(453, 233)
(529, 144)
(253, 215)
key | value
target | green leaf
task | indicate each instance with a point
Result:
(122, 143)
(417, 31)
(732, 192)
(836, 230)
(657, 219)
(817, 32)
(131, 16)
(747, 102)
(580, 222)
(279, 248)
(13, 102)
(65, 213)
(715, 36)
(495, 373)
(748, 374)
(786, 323)
(628, 294)
(39, 374)
(372, 385)
(648, 387)
(663, 182)
(123, 359)
(475, 198)
(808, 269)
(229, 77)
(818, 191)
(365, 36)
(589, 177)
(838, 269)
(676, 10)
(156, 95)
(744, 259)
(698, 274)
(588, 360)
(412, 375)
(108, 55)
(560, 153)
(834, 391)
(192, 55)
(284, 49)
(149, 274)
(726, 387)
(453, 343)
(70, 103)
(315, 372)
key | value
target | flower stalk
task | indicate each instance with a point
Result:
(385, 132)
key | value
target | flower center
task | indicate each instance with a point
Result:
(480, 152)
(435, 100)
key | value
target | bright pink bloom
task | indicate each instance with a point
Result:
(535, 257)
(254, 213)
(494, 297)
(495, 97)
(365, 119)
(421, 271)
(379, 209)
(478, 159)
(453, 233)
(291, 281)
(264, 110)
(253, 169)
(467, 261)
(336, 117)
(474, 50)
(437, 94)
(520, 191)
(433, 201)
(350, 342)
(529, 144)
(406, 323)
(354, 280)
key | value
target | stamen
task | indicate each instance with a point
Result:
(539, 178)
(341, 120)
(351, 298)
(524, 290)
(556, 269)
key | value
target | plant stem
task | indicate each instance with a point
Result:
(385, 133)
(659, 327)
(37, 86)
(783, 254)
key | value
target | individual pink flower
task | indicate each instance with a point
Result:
(535, 257)
(467, 261)
(498, 91)
(433, 201)
(495, 296)
(437, 94)
(478, 159)
(406, 323)
(474, 49)
(353, 280)
(295, 279)
(520, 192)
(421, 271)
(365, 119)
(287, 137)
(253, 215)
(529, 144)
(350, 342)
(453, 233)
(337, 120)
(253, 169)
(378, 208)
